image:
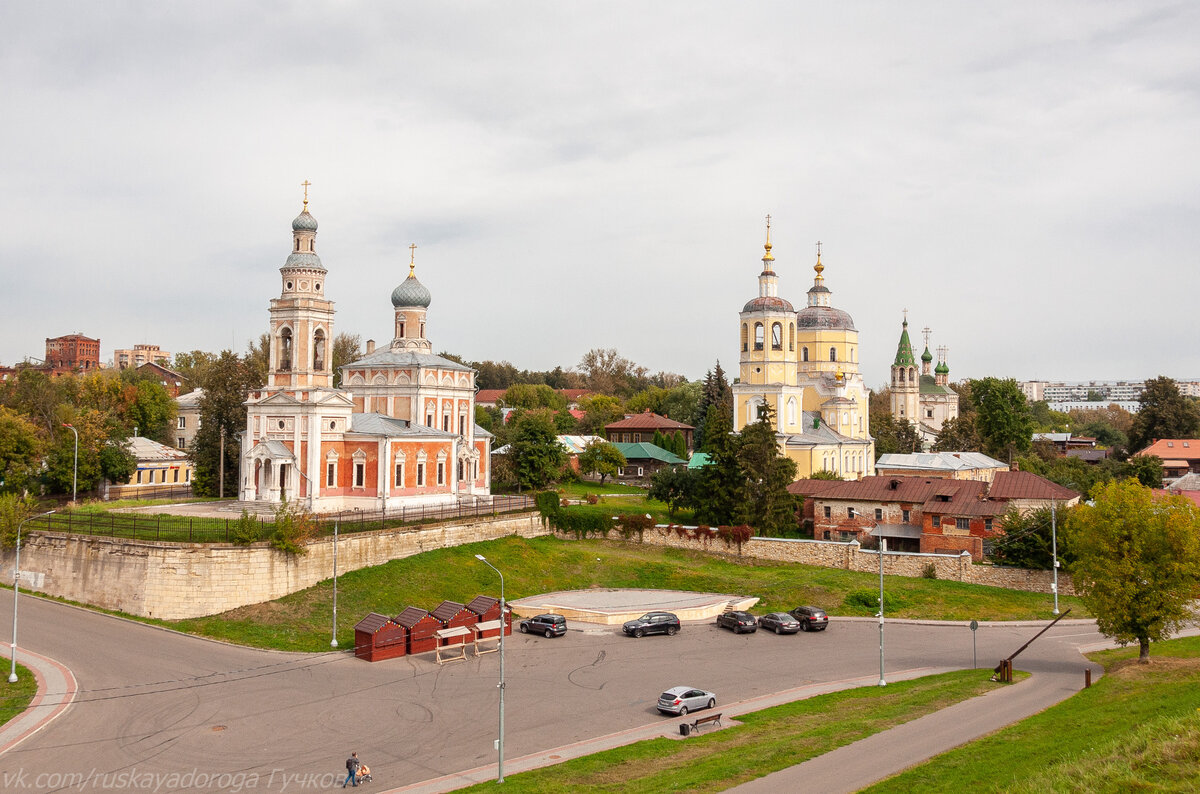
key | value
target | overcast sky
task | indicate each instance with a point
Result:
(1023, 177)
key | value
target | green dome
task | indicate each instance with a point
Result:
(927, 356)
(411, 293)
(942, 368)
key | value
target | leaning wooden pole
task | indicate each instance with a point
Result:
(1007, 663)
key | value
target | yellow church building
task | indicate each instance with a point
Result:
(804, 365)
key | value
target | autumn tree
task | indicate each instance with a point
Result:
(599, 410)
(601, 457)
(607, 372)
(1163, 413)
(1138, 562)
(194, 367)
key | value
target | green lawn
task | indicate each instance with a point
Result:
(16, 696)
(765, 742)
(301, 621)
(1136, 729)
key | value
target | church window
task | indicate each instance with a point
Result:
(776, 336)
(421, 474)
(422, 330)
(317, 286)
(446, 422)
(441, 473)
(462, 424)
(912, 374)
(460, 470)
(285, 350)
(297, 243)
(804, 354)
(928, 413)
(902, 376)
(310, 245)
(429, 419)
(399, 474)
(745, 345)
(758, 336)
(319, 350)
(833, 354)
(791, 336)
(401, 329)
(289, 285)
(331, 474)
(360, 474)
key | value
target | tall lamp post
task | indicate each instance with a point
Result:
(500, 743)
(882, 545)
(1054, 551)
(75, 471)
(333, 642)
(12, 675)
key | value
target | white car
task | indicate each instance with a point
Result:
(682, 699)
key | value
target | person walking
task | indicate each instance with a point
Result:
(352, 765)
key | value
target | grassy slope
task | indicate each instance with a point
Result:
(1136, 729)
(301, 621)
(765, 742)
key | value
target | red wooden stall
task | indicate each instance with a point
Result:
(378, 637)
(421, 626)
(451, 614)
(488, 609)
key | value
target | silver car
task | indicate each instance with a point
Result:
(682, 699)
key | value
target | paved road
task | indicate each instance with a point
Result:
(156, 703)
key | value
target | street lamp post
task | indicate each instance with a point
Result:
(333, 642)
(882, 544)
(1054, 551)
(12, 675)
(500, 743)
(75, 471)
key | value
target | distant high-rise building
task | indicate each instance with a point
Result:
(139, 355)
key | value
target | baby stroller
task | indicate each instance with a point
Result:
(364, 774)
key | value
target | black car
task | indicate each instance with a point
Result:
(811, 618)
(780, 623)
(652, 623)
(550, 625)
(738, 621)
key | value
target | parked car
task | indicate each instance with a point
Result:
(811, 618)
(738, 621)
(682, 699)
(652, 623)
(779, 622)
(550, 625)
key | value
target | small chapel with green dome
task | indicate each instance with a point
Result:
(923, 398)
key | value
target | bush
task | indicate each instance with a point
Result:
(593, 499)
(869, 600)
(636, 523)
(294, 527)
(739, 535)
(245, 530)
(929, 571)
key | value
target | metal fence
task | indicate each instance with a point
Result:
(199, 529)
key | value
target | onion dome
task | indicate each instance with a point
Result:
(304, 222)
(411, 293)
(824, 317)
(768, 303)
(927, 356)
(942, 368)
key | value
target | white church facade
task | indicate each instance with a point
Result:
(400, 431)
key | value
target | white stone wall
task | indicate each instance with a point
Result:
(184, 580)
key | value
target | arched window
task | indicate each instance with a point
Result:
(285, 350)
(777, 336)
(745, 338)
(297, 243)
(319, 350)
(791, 410)
(758, 336)
(912, 374)
(791, 336)
(804, 354)
(901, 375)
(833, 354)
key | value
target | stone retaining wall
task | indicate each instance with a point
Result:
(184, 580)
(850, 557)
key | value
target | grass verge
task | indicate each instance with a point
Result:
(1136, 729)
(765, 742)
(17, 696)
(301, 621)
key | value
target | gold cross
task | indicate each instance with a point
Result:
(305, 185)
(412, 261)
(926, 331)
(818, 249)
(768, 227)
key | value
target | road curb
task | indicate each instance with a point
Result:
(56, 692)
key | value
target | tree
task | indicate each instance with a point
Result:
(529, 396)
(768, 506)
(1146, 469)
(1138, 562)
(258, 359)
(714, 391)
(1026, 541)
(1046, 420)
(958, 435)
(152, 411)
(1003, 419)
(659, 440)
(894, 436)
(599, 410)
(346, 349)
(605, 371)
(537, 456)
(194, 367)
(601, 457)
(222, 413)
(20, 452)
(676, 486)
(679, 445)
(722, 485)
(1164, 413)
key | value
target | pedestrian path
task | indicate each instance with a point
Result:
(56, 691)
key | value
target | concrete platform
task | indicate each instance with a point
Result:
(611, 607)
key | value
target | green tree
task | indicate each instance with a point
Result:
(768, 506)
(347, 348)
(601, 457)
(679, 445)
(659, 440)
(152, 411)
(14, 508)
(1137, 562)
(530, 396)
(959, 435)
(1146, 469)
(714, 390)
(222, 413)
(1046, 420)
(676, 486)
(258, 359)
(722, 484)
(1163, 413)
(599, 410)
(537, 456)
(194, 367)
(1002, 417)
(894, 436)
(20, 452)
(1025, 540)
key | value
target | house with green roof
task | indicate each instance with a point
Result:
(643, 459)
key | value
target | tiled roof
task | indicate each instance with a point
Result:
(647, 420)
(411, 616)
(488, 395)
(872, 489)
(481, 603)
(372, 623)
(1174, 448)
(1188, 482)
(447, 610)
(1026, 485)
(647, 451)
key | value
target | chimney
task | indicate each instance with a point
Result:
(370, 346)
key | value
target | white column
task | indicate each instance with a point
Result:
(385, 476)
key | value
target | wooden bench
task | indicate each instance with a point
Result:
(709, 720)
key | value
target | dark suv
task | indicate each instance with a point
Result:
(652, 623)
(550, 625)
(811, 618)
(738, 621)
